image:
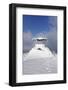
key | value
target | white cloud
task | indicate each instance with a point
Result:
(52, 40)
(27, 41)
(51, 43)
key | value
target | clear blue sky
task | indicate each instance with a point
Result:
(37, 24)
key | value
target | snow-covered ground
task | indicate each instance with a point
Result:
(39, 60)
(40, 66)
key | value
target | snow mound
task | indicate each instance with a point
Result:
(38, 52)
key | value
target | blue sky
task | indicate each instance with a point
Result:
(34, 25)
(37, 24)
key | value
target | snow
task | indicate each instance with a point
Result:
(40, 66)
(39, 51)
(39, 60)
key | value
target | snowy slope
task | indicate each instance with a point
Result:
(39, 51)
(39, 60)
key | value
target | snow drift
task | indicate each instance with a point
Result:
(39, 51)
